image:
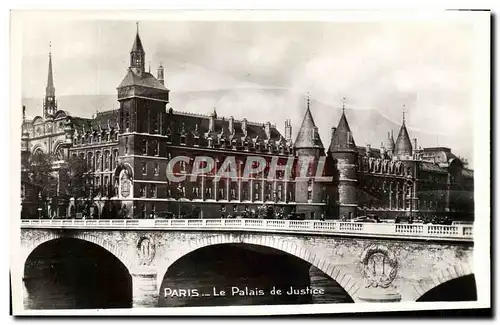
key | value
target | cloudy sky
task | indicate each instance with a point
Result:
(262, 71)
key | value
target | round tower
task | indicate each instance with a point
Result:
(343, 151)
(308, 150)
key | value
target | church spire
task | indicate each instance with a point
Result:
(137, 54)
(49, 103)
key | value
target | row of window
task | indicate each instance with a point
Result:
(210, 192)
(182, 167)
(152, 147)
(95, 137)
(106, 160)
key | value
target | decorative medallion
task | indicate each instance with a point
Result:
(379, 266)
(145, 250)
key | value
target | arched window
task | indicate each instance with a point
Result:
(106, 160)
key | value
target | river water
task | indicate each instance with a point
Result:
(207, 272)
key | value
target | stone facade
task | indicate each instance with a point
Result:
(127, 151)
(411, 267)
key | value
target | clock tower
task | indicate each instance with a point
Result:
(142, 116)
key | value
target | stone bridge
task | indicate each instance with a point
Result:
(371, 262)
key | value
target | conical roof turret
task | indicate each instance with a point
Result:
(308, 136)
(403, 145)
(342, 136)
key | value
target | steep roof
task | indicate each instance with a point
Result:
(308, 136)
(145, 79)
(403, 143)
(342, 137)
(200, 123)
(137, 47)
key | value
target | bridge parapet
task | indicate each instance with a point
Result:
(377, 230)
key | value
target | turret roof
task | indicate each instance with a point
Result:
(308, 136)
(342, 137)
(403, 143)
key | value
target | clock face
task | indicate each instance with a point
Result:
(125, 185)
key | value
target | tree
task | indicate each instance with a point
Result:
(40, 176)
(78, 180)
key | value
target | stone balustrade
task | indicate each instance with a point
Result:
(376, 230)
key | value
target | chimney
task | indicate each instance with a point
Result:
(267, 129)
(211, 122)
(288, 130)
(160, 75)
(415, 144)
(231, 125)
(244, 126)
(368, 149)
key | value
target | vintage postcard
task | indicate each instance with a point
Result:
(246, 162)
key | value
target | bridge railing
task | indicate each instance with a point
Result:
(458, 232)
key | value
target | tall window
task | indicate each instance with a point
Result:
(153, 190)
(127, 121)
(155, 147)
(144, 168)
(142, 190)
(126, 146)
(106, 160)
(98, 160)
(106, 186)
(157, 169)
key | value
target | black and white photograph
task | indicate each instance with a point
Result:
(293, 162)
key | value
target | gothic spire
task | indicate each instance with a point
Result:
(49, 102)
(50, 89)
(137, 54)
(137, 47)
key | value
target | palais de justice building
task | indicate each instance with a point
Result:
(127, 151)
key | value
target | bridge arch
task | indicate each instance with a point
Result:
(105, 244)
(346, 281)
(450, 273)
